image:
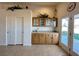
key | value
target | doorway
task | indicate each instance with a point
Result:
(69, 37)
(14, 30)
(75, 35)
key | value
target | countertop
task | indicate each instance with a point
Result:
(44, 32)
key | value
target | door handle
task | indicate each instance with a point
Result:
(7, 32)
(22, 32)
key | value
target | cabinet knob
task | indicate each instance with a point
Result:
(48, 34)
(51, 37)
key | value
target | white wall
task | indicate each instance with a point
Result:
(2, 29)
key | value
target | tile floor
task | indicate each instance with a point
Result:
(34, 50)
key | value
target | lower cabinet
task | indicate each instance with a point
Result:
(55, 38)
(44, 38)
(35, 38)
(48, 38)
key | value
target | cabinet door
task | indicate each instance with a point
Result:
(55, 38)
(35, 22)
(42, 22)
(42, 38)
(51, 37)
(48, 39)
(35, 38)
(48, 22)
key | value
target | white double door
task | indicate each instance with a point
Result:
(69, 38)
(14, 30)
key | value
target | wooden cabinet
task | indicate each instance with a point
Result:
(49, 22)
(35, 22)
(45, 38)
(51, 38)
(42, 22)
(35, 38)
(55, 38)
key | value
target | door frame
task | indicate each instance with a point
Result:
(69, 50)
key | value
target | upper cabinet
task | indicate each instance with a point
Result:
(35, 21)
(42, 22)
(49, 22)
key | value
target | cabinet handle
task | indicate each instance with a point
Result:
(51, 37)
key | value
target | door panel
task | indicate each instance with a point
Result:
(10, 30)
(71, 45)
(64, 31)
(76, 34)
(19, 30)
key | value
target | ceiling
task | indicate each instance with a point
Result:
(44, 3)
(33, 3)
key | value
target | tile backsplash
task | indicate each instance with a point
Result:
(40, 29)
